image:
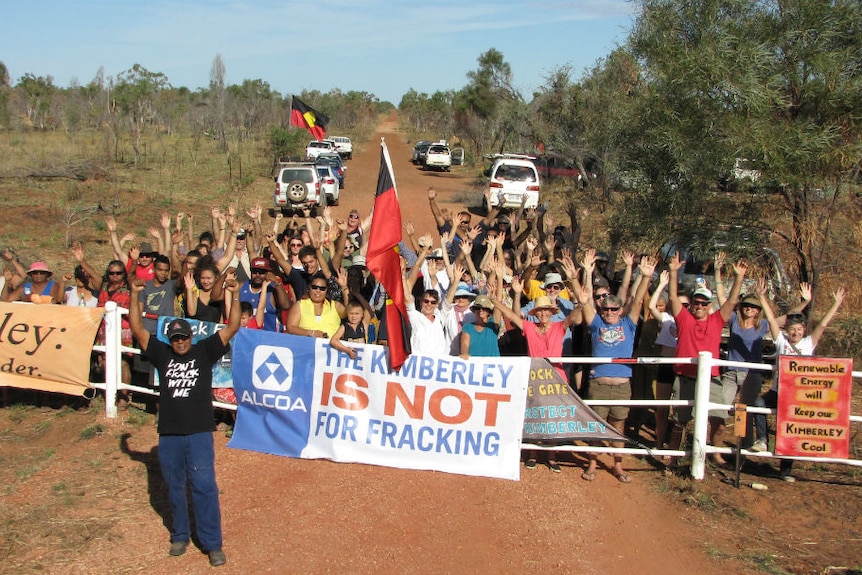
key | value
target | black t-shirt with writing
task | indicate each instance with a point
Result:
(185, 385)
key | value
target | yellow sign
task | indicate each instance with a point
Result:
(47, 347)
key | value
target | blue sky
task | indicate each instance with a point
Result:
(376, 46)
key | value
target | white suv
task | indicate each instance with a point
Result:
(343, 146)
(510, 177)
(315, 148)
(297, 187)
(438, 157)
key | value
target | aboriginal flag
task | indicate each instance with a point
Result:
(383, 260)
(304, 116)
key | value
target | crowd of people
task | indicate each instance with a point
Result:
(502, 284)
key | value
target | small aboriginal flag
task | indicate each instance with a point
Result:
(304, 116)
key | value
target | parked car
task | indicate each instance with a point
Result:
(419, 152)
(317, 147)
(297, 187)
(329, 183)
(551, 166)
(337, 164)
(438, 157)
(510, 177)
(343, 146)
(698, 251)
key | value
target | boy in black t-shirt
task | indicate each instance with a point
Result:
(186, 421)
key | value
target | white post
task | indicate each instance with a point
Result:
(113, 356)
(701, 414)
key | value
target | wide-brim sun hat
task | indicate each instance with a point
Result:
(543, 302)
(39, 267)
(552, 278)
(483, 301)
(464, 291)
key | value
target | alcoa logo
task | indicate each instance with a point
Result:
(272, 368)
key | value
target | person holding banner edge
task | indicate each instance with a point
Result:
(186, 422)
(794, 342)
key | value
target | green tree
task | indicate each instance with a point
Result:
(135, 95)
(774, 82)
(488, 107)
(39, 91)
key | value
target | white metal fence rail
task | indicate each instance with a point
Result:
(113, 350)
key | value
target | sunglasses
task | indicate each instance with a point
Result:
(317, 287)
(259, 272)
(114, 273)
(430, 301)
(180, 338)
(600, 296)
(296, 244)
(610, 309)
(699, 303)
(751, 306)
(554, 287)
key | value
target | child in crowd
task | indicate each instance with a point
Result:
(353, 328)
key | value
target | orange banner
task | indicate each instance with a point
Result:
(47, 347)
(814, 406)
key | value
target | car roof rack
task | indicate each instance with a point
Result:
(509, 157)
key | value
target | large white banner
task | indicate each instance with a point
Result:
(299, 397)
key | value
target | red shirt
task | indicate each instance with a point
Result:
(696, 336)
(142, 273)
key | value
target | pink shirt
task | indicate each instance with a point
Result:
(548, 344)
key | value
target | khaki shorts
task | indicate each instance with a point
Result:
(610, 391)
(684, 388)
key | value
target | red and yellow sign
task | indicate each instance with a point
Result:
(814, 406)
(47, 347)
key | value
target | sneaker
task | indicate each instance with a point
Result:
(759, 445)
(530, 463)
(788, 478)
(178, 548)
(555, 467)
(217, 557)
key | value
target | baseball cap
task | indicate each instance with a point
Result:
(702, 292)
(358, 261)
(179, 327)
(260, 264)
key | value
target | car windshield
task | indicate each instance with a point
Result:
(438, 150)
(297, 174)
(515, 173)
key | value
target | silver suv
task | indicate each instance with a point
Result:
(298, 187)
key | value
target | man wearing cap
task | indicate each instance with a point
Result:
(37, 288)
(186, 422)
(241, 258)
(277, 298)
(698, 330)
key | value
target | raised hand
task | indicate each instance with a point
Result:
(805, 291)
(675, 264)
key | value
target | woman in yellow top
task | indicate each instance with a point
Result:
(315, 315)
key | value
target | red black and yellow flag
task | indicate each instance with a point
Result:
(304, 116)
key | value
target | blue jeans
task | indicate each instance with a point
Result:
(190, 459)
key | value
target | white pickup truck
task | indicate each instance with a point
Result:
(343, 146)
(317, 147)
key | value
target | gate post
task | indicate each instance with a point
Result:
(701, 415)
